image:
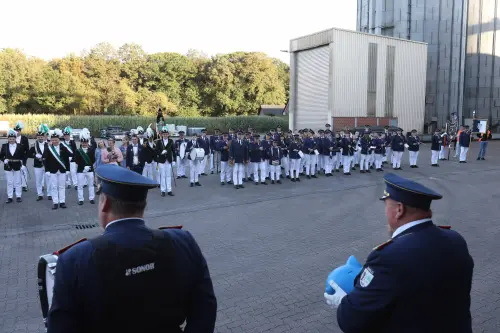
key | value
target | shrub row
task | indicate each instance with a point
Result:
(95, 123)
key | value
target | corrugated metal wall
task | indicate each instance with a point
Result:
(440, 24)
(482, 72)
(397, 66)
(312, 88)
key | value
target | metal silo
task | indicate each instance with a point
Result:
(442, 25)
(482, 65)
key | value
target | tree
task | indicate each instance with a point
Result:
(129, 81)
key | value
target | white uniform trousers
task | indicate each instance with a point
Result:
(86, 178)
(434, 157)
(238, 170)
(147, 171)
(295, 168)
(248, 170)
(396, 159)
(321, 162)
(58, 181)
(194, 171)
(48, 183)
(310, 164)
(203, 165)
(457, 149)
(285, 161)
(275, 172)
(165, 176)
(212, 161)
(338, 160)
(463, 153)
(71, 177)
(156, 171)
(346, 161)
(256, 166)
(356, 157)
(443, 153)
(378, 161)
(39, 177)
(388, 155)
(24, 176)
(302, 163)
(371, 158)
(413, 156)
(13, 181)
(181, 166)
(363, 162)
(327, 163)
(225, 172)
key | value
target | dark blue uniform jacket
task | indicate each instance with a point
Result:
(464, 139)
(421, 283)
(77, 306)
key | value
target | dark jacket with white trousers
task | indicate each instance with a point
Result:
(52, 163)
(15, 160)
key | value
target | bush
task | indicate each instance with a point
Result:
(95, 123)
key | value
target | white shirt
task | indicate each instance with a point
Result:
(135, 150)
(165, 142)
(57, 149)
(408, 226)
(41, 146)
(18, 139)
(119, 220)
(12, 148)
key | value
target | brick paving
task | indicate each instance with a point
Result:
(269, 248)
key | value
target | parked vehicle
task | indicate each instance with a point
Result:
(116, 132)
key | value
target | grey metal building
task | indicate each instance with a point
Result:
(442, 25)
(482, 65)
(463, 72)
(338, 76)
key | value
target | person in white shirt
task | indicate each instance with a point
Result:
(56, 158)
(12, 155)
(36, 153)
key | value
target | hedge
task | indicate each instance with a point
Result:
(95, 123)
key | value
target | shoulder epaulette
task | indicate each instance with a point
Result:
(64, 249)
(381, 246)
(444, 227)
(172, 227)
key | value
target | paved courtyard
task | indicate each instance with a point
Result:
(269, 248)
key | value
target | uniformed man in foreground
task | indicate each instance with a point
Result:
(419, 280)
(131, 278)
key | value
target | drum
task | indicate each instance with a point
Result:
(46, 276)
(197, 154)
(182, 150)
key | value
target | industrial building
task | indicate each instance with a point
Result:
(463, 74)
(347, 78)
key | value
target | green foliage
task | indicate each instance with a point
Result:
(95, 123)
(127, 81)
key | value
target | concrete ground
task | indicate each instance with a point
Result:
(269, 248)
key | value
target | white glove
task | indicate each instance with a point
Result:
(334, 300)
(38, 155)
(5, 161)
(163, 152)
(71, 159)
(406, 145)
(173, 164)
(86, 169)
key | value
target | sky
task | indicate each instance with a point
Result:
(55, 28)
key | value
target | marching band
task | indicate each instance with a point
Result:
(238, 156)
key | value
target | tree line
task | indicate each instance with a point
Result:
(128, 81)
